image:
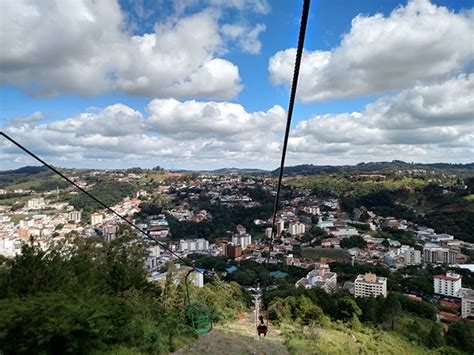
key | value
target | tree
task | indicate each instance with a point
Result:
(434, 339)
(461, 335)
(392, 308)
(354, 241)
(308, 312)
(347, 308)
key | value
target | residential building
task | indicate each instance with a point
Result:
(268, 232)
(321, 277)
(447, 285)
(370, 285)
(74, 216)
(109, 231)
(435, 254)
(232, 251)
(36, 203)
(296, 228)
(96, 218)
(410, 255)
(242, 240)
(467, 304)
(193, 245)
(280, 226)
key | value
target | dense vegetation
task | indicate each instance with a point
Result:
(306, 313)
(223, 218)
(375, 167)
(108, 191)
(85, 295)
(415, 199)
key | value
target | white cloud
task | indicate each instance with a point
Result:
(80, 47)
(247, 38)
(426, 123)
(219, 120)
(182, 134)
(420, 41)
(257, 6)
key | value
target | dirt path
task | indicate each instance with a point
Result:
(238, 337)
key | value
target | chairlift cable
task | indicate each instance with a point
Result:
(299, 54)
(197, 313)
(57, 172)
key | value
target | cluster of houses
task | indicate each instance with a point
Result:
(48, 220)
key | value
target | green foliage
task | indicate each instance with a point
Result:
(420, 308)
(86, 296)
(392, 307)
(461, 335)
(355, 241)
(108, 191)
(59, 323)
(347, 308)
(223, 218)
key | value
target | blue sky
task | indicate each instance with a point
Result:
(64, 80)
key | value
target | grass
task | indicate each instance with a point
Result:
(238, 337)
(338, 339)
(15, 218)
(318, 253)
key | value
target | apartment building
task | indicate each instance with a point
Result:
(435, 254)
(447, 285)
(370, 285)
(296, 228)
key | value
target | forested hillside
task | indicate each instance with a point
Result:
(85, 296)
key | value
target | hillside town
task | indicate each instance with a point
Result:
(305, 222)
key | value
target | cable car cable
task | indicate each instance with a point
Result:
(164, 246)
(197, 313)
(299, 54)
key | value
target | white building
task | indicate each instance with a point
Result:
(268, 232)
(343, 231)
(280, 226)
(242, 240)
(325, 224)
(96, 218)
(467, 304)
(10, 246)
(197, 278)
(370, 285)
(321, 277)
(193, 245)
(36, 203)
(74, 216)
(410, 255)
(314, 210)
(296, 228)
(447, 285)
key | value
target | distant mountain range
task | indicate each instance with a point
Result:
(304, 169)
(372, 167)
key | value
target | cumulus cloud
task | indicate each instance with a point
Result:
(221, 120)
(247, 38)
(183, 134)
(81, 47)
(420, 41)
(426, 123)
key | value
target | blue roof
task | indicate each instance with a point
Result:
(200, 270)
(231, 269)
